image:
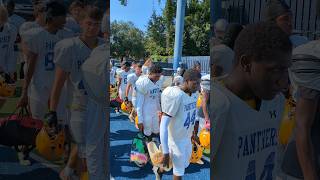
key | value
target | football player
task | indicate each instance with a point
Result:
(148, 89)
(16, 21)
(40, 53)
(8, 34)
(248, 105)
(95, 81)
(72, 22)
(131, 88)
(69, 55)
(178, 123)
(123, 79)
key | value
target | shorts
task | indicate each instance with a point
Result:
(77, 125)
(151, 125)
(180, 153)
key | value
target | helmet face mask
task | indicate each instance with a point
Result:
(197, 151)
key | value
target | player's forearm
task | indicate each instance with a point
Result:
(164, 133)
(128, 89)
(306, 155)
(119, 84)
(29, 74)
(60, 78)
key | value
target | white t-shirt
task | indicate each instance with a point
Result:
(7, 56)
(42, 43)
(16, 20)
(148, 97)
(182, 109)
(132, 79)
(244, 136)
(72, 25)
(124, 80)
(69, 55)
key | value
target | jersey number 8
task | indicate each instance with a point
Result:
(189, 119)
(49, 65)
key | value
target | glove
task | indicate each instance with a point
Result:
(51, 119)
(126, 99)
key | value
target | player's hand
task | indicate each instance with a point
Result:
(52, 120)
(23, 101)
(165, 160)
(126, 99)
(140, 126)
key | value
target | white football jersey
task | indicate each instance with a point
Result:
(182, 109)
(113, 76)
(69, 55)
(94, 71)
(25, 27)
(42, 43)
(124, 80)
(16, 20)
(73, 25)
(7, 56)
(151, 93)
(244, 136)
(132, 79)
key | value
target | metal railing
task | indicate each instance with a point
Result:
(305, 19)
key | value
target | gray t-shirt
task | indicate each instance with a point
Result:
(245, 140)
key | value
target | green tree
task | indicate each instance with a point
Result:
(155, 42)
(169, 15)
(126, 40)
(197, 28)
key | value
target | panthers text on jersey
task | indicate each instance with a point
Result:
(244, 136)
(182, 109)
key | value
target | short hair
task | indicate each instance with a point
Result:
(155, 68)
(125, 63)
(54, 9)
(76, 4)
(191, 75)
(260, 41)
(93, 12)
(139, 64)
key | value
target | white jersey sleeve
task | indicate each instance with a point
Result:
(170, 101)
(141, 85)
(221, 106)
(32, 42)
(131, 78)
(63, 54)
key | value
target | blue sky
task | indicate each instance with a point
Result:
(136, 11)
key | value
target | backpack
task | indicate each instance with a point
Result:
(20, 130)
(138, 153)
